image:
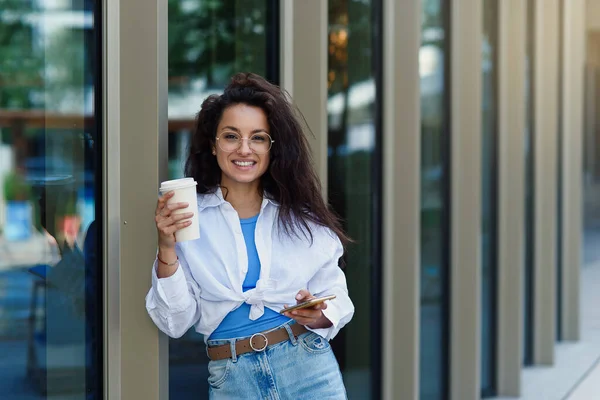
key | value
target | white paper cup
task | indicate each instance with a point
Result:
(184, 192)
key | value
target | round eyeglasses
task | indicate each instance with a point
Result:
(259, 143)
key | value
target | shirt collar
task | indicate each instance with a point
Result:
(215, 199)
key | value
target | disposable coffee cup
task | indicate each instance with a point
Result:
(184, 192)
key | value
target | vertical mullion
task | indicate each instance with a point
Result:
(131, 192)
(572, 149)
(545, 103)
(401, 198)
(511, 205)
(111, 193)
(466, 26)
(308, 68)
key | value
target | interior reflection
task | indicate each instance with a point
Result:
(49, 324)
(435, 145)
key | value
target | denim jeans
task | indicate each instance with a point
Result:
(302, 369)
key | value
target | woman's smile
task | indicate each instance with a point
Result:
(244, 165)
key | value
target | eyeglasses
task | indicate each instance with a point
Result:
(259, 143)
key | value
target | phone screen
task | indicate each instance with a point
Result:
(308, 303)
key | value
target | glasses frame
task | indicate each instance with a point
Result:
(271, 141)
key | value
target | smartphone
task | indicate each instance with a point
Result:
(309, 303)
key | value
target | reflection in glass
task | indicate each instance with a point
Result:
(591, 158)
(529, 187)
(489, 182)
(50, 275)
(435, 148)
(209, 41)
(353, 184)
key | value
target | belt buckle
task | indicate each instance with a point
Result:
(252, 345)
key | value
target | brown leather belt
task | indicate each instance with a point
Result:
(257, 342)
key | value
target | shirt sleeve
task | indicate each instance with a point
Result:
(173, 302)
(330, 279)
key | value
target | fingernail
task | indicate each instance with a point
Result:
(298, 296)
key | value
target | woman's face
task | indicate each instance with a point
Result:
(247, 125)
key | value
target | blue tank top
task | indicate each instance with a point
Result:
(237, 323)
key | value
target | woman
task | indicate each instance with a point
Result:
(267, 239)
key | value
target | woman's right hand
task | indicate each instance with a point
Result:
(168, 222)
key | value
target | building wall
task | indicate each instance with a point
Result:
(416, 125)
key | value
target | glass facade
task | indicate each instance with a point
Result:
(354, 181)
(529, 220)
(489, 196)
(435, 199)
(51, 182)
(209, 41)
(50, 200)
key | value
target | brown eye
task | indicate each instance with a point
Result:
(259, 138)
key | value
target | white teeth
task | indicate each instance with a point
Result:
(244, 163)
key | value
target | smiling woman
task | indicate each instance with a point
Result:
(267, 240)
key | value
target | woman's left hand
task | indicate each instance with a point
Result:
(311, 317)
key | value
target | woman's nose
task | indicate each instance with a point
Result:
(244, 146)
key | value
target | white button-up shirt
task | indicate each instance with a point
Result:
(207, 285)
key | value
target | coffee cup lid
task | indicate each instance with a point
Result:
(175, 184)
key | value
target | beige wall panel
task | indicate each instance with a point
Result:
(545, 151)
(286, 45)
(572, 153)
(511, 164)
(401, 191)
(467, 26)
(592, 13)
(136, 118)
(304, 70)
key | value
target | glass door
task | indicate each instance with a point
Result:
(354, 181)
(50, 198)
(209, 41)
(489, 196)
(434, 71)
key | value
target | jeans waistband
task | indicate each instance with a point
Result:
(232, 342)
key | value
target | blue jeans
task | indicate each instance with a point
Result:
(302, 369)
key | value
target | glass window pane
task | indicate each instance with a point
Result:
(209, 41)
(591, 156)
(489, 174)
(435, 199)
(354, 165)
(50, 248)
(591, 153)
(529, 186)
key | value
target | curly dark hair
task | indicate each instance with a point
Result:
(290, 179)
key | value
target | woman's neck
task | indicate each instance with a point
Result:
(245, 198)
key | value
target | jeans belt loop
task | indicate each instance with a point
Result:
(233, 352)
(293, 338)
